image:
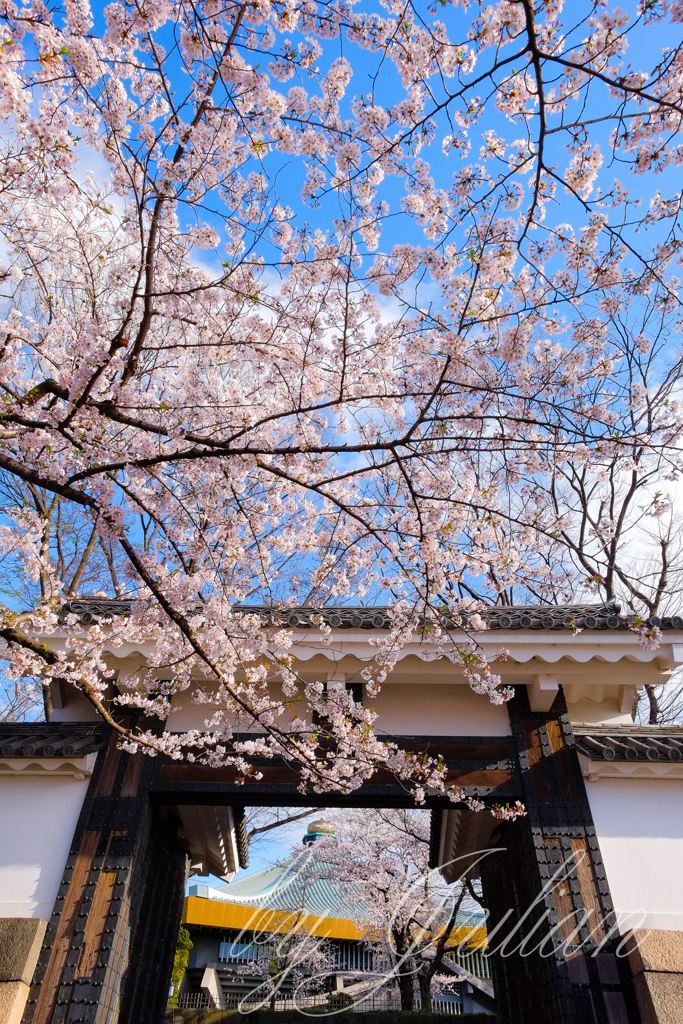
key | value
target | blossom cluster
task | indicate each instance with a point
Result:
(228, 376)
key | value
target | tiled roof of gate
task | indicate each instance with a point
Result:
(561, 616)
(631, 742)
(25, 739)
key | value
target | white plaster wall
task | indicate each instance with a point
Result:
(433, 709)
(188, 715)
(639, 823)
(419, 709)
(38, 817)
(604, 712)
(70, 705)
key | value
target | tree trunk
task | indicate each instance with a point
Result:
(426, 992)
(405, 987)
(439, 952)
(654, 706)
(47, 702)
(404, 967)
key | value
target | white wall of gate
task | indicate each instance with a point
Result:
(39, 808)
(639, 824)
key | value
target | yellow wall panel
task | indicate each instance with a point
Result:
(220, 914)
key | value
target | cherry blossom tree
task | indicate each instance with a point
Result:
(291, 963)
(317, 333)
(406, 910)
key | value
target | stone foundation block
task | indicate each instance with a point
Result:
(660, 997)
(656, 950)
(20, 942)
(13, 996)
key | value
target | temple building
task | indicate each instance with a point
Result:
(238, 924)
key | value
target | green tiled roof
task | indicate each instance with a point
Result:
(286, 886)
(291, 885)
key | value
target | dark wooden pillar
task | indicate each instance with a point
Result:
(108, 950)
(552, 865)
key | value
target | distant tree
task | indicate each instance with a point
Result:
(610, 517)
(618, 521)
